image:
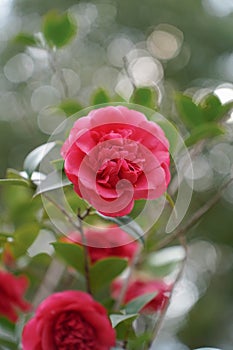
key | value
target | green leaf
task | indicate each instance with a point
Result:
(204, 131)
(7, 325)
(135, 305)
(117, 319)
(58, 164)
(105, 270)
(145, 96)
(189, 112)
(126, 224)
(124, 330)
(211, 107)
(7, 344)
(23, 238)
(140, 341)
(13, 174)
(71, 254)
(70, 107)
(35, 157)
(53, 181)
(25, 39)
(99, 97)
(58, 29)
(18, 182)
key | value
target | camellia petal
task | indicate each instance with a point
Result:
(115, 156)
(68, 320)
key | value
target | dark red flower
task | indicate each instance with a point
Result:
(139, 287)
(69, 320)
(106, 242)
(12, 289)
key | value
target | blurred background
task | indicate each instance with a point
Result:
(170, 45)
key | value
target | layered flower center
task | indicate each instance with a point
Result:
(72, 332)
(112, 171)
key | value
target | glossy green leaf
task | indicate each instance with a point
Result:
(25, 39)
(71, 254)
(128, 225)
(188, 111)
(117, 319)
(7, 325)
(70, 107)
(124, 330)
(145, 96)
(105, 270)
(204, 131)
(58, 29)
(18, 182)
(211, 107)
(13, 174)
(99, 97)
(137, 304)
(58, 164)
(35, 157)
(6, 344)
(24, 237)
(53, 181)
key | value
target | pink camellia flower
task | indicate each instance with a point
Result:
(106, 242)
(12, 289)
(139, 287)
(69, 320)
(114, 156)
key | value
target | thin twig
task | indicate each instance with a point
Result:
(78, 226)
(194, 218)
(132, 266)
(86, 255)
(50, 281)
(161, 318)
(63, 211)
(87, 212)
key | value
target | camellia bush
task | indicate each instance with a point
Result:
(110, 187)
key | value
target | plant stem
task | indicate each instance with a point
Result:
(132, 266)
(86, 256)
(194, 218)
(50, 281)
(161, 318)
(64, 212)
(78, 226)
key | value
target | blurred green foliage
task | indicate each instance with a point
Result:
(201, 63)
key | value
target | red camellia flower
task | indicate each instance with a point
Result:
(114, 156)
(139, 287)
(69, 320)
(12, 289)
(106, 242)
